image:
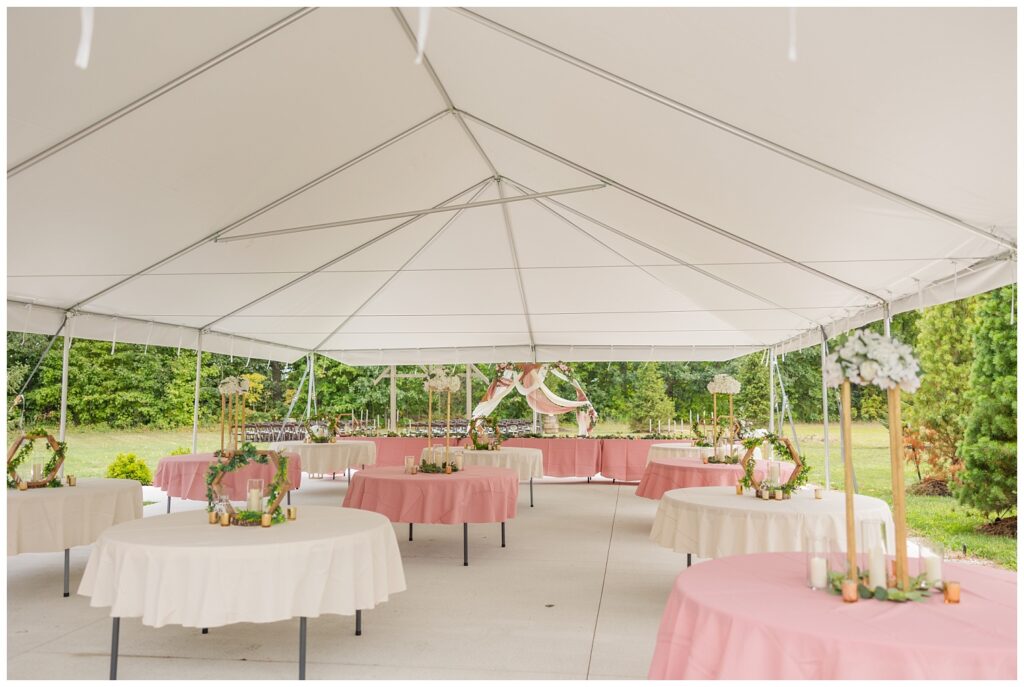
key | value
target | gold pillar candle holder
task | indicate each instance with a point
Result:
(225, 519)
(22, 485)
(213, 517)
(899, 508)
(265, 520)
(819, 493)
(292, 512)
(846, 428)
(777, 494)
(72, 481)
(739, 489)
(850, 591)
(951, 592)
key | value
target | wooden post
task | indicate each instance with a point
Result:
(851, 527)
(222, 423)
(714, 422)
(430, 423)
(732, 426)
(899, 509)
(448, 427)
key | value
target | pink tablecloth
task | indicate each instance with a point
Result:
(473, 495)
(185, 476)
(565, 457)
(752, 617)
(665, 474)
(625, 459)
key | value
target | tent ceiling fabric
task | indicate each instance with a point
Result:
(749, 201)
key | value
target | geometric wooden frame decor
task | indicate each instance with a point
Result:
(58, 449)
(749, 455)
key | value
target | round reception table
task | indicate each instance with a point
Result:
(471, 495)
(753, 617)
(324, 459)
(178, 569)
(665, 474)
(48, 520)
(713, 522)
(527, 462)
(185, 476)
(690, 452)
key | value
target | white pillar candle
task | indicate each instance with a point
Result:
(774, 472)
(818, 573)
(650, 425)
(255, 500)
(932, 568)
(659, 426)
(876, 568)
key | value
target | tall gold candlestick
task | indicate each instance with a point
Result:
(899, 509)
(714, 422)
(448, 427)
(430, 421)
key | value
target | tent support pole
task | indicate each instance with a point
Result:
(771, 391)
(195, 399)
(291, 406)
(787, 410)
(469, 391)
(515, 266)
(393, 400)
(64, 388)
(309, 385)
(824, 408)
(887, 319)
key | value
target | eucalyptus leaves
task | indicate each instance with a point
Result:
(918, 591)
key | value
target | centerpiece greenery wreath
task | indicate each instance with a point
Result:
(22, 449)
(918, 591)
(784, 447)
(484, 445)
(313, 428)
(229, 462)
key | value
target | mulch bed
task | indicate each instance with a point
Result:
(1004, 527)
(930, 486)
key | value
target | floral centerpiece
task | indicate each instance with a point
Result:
(722, 384)
(322, 429)
(439, 381)
(871, 358)
(22, 448)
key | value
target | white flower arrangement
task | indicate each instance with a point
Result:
(438, 380)
(871, 358)
(724, 384)
(233, 385)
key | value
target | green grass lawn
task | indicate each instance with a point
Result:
(938, 518)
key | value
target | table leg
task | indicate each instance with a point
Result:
(689, 560)
(302, 648)
(67, 572)
(410, 531)
(168, 503)
(465, 543)
(503, 535)
(206, 630)
(588, 480)
(531, 492)
(114, 637)
(359, 623)
(334, 475)
(289, 497)
(613, 480)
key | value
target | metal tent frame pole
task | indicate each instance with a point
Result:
(786, 410)
(771, 391)
(518, 272)
(824, 408)
(393, 399)
(195, 399)
(64, 386)
(309, 385)
(291, 406)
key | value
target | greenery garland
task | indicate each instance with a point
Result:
(474, 437)
(436, 468)
(332, 428)
(25, 450)
(239, 459)
(919, 588)
(782, 449)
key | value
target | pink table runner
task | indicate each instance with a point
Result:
(472, 495)
(752, 617)
(665, 474)
(185, 476)
(625, 459)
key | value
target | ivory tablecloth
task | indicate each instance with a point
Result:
(472, 495)
(527, 462)
(713, 522)
(326, 459)
(185, 476)
(178, 569)
(752, 617)
(695, 453)
(45, 520)
(665, 474)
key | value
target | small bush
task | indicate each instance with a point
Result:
(130, 466)
(180, 451)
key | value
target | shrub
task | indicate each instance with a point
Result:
(180, 451)
(130, 466)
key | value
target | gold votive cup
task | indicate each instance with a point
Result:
(265, 520)
(951, 592)
(777, 494)
(850, 591)
(447, 468)
(225, 519)
(214, 517)
(72, 480)
(292, 512)
(22, 485)
(819, 493)
(739, 489)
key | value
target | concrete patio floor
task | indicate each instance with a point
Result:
(577, 594)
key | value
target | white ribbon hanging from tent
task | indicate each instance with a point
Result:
(528, 379)
(88, 15)
(421, 33)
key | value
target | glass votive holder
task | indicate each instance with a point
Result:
(265, 520)
(409, 462)
(930, 559)
(875, 554)
(292, 512)
(213, 517)
(817, 548)
(819, 493)
(225, 519)
(22, 485)
(37, 472)
(739, 489)
(72, 480)
(254, 495)
(951, 592)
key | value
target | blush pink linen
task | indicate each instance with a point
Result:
(752, 617)
(625, 459)
(185, 476)
(565, 457)
(665, 474)
(472, 495)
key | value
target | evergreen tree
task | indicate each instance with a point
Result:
(648, 401)
(989, 449)
(752, 400)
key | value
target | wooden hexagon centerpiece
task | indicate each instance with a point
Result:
(794, 479)
(16, 455)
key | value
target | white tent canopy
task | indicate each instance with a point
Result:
(720, 197)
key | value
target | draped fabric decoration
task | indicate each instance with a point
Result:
(528, 378)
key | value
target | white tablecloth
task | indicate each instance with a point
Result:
(44, 520)
(178, 569)
(326, 459)
(713, 522)
(527, 462)
(695, 453)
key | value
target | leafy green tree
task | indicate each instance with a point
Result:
(941, 406)
(649, 402)
(989, 448)
(752, 400)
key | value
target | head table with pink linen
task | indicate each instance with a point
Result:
(714, 522)
(753, 617)
(180, 570)
(471, 495)
(56, 519)
(330, 458)
(185, 476)
(665, 474)
(625, 459)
